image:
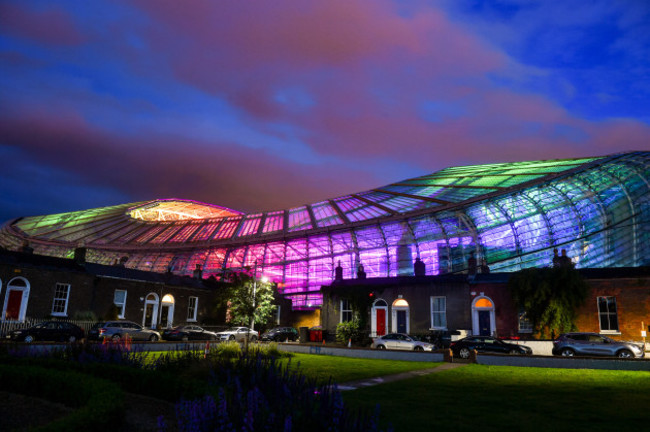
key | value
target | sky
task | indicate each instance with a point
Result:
(265, 105)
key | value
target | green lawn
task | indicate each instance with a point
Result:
(495, 398)
(344, 369)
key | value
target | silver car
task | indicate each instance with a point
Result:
(401, 341)
(116, 330)
(594, 344)
(238, 334)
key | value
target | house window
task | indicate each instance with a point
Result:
(525, 325)
(192, 308)
(60, 304)
(439, 312)
(346, 310)
(119, 298)
(607, 314)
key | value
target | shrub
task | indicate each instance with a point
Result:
(352, 330)
(229, 349)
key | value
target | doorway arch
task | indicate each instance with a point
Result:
(400, 316)
(150, 315)
(167, 311)
(483, 319)
(16, 298)
(379, 317)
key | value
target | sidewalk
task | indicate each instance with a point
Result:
(353, 385)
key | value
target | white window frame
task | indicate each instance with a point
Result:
(523, 323)
(608, 331)
(121, 306)
(192, 309)
(346, 311)
(443, 313)
(58, 300)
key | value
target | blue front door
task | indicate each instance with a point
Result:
(484, 327)
(401, 321)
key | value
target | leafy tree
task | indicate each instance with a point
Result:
(550, 297)
(242, 309)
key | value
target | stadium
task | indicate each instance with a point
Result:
(512, 215)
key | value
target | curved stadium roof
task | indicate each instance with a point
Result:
(511, 214)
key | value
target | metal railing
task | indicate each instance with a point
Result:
(8, 326)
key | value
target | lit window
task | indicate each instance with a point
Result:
(119, 299)
(439, 312)
(60, 304)
(346, 311)
(607, 314)
(192, 308)
(525, 325)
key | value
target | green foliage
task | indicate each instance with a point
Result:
(229, 349)
(242, 307)
(550, 297)
(100, 403)
(354, 330)
(85, 316)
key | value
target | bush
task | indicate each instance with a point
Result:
(229, 349)
(100, 403)
(352, 330)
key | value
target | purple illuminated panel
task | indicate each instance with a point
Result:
(167, 234)
(325, 214)
(206, 231)
(214, 260)
(299, 219)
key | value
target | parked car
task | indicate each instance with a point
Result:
(593, 344)
(188, 332)
(57, 331)
(116, 330)
(486, 344)
(401, 341)
(239, 334)
(280, 334)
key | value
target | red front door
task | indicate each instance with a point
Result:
(381, 322)
(13, 304)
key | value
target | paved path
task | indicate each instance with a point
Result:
(353, 385)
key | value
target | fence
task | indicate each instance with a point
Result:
(8, 326)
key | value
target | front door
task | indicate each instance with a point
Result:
(381, 322)
(401, 321)
(14, 302)
(149, 316)
(484, 326)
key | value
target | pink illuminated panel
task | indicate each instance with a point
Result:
(250, 225)
(227, 229)
(206, 231)
(274, 222)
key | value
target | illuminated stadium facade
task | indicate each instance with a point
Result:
(511, 214)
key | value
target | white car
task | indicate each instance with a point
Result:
(401, 341)
(238, 334)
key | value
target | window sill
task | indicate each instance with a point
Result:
(59, 314)
(191, 320)
(610, 332)
(438, 329)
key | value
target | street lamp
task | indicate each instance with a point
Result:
(264, 279)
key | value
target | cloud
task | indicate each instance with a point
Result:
(50, 26)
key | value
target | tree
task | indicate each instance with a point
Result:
(243, 309)
(550, 297)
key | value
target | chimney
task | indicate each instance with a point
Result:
(198, 272)
(338, 273)
(80, 255)
(419, 269)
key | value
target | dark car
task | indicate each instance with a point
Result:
(57, 331)
(115, 330)
(187, 333)
(281, 334)
(486, 344)
(593, 344)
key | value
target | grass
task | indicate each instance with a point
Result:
(344, 369)
(495, 398)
